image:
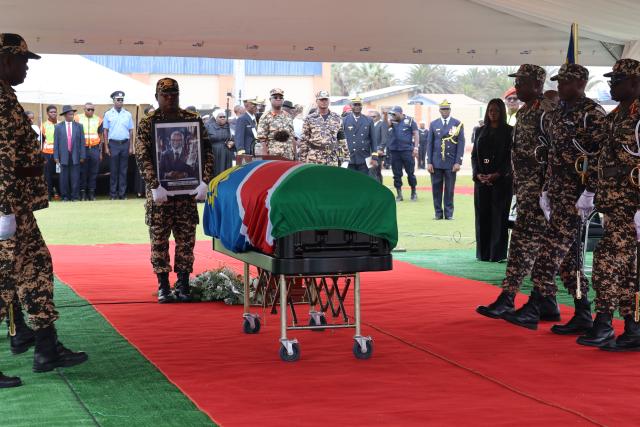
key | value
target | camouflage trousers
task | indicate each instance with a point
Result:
(526, 240)
(26, 272)
(614, 264)
(179, 216)
(558, 252)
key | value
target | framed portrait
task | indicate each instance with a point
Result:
(178, 155)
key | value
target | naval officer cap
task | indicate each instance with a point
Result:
(117, 94)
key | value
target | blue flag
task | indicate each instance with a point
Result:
(572, 50)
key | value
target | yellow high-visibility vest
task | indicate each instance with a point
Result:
(47, 131)
(90, 125)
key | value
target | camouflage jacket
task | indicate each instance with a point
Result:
(145, 149)
(611, 176)
(528, 173)
(22, 183)
(270, 124)
(581, 122)
(319, 140)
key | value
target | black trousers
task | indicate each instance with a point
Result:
(70, 182)
(403, 160)
(118, 164)
(89, 169)
(50, 173)
(492, 205)
(443, 181)
(422, 155)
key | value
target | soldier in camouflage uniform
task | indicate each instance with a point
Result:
(617, 196)
(528, 176)
(320, 142)
(25, 261)
(171, 214)
(276, 128)
(576, 120)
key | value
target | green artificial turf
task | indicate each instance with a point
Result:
(463, 263)
(117, 386)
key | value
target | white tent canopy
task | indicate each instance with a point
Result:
(409, 31)
(74, 80)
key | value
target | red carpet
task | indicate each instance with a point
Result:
(435, 362)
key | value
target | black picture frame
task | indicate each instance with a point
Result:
(178, 164)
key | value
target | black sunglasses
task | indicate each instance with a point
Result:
(91, 109)
(615, 80)
(120, 99)
(277, 97)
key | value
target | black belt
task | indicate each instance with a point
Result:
(616, 171)
(29, 172)
(119, 141)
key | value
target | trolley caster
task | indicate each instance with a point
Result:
(362, 347)
(317, 319)
(251, 324)
(289, 350)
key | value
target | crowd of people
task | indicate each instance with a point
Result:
(563, 160)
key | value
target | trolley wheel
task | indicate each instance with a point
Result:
(357, 350)
(286, 357)
(246, 326)
(312, 322)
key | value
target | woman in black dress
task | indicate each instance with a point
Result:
(491, 163)
(221, 142)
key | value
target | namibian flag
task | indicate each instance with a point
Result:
(254, 204)
(572, 50)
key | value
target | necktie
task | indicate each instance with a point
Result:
(69, 136)
(445, 122)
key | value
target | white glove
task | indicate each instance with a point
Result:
(585, 204)
(7, 226)
(636, 219)
(545, 205)
(201, 191)
(159, 194)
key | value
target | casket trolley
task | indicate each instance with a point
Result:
(315, 267)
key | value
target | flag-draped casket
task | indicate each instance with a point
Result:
(249, 207)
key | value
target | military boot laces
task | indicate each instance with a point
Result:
(528, 315)
(164, 289)
(181, 290)
(503, 304)
(581, 321)
(630, 338)
(600, 334)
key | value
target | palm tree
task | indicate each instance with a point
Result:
(371, 76)
(342, 81)
(431, 78)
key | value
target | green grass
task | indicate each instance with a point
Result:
(105, 221)
(117, 386)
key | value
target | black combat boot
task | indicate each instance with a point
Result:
(414, 195)
(50, 353)
(549, 310)
(600, 334)
(528, 315)
(164, 289)
(495, 310)
(399, 197)
(181, 287)
(581, 321)
(24, 337)
(83, 195)
(6, 382)
(92, 195)
(630, 338)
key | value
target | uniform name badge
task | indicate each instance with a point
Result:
(177, 155)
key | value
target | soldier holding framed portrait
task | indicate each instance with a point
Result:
(175, 160)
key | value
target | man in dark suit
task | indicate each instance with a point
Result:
(422, 145)
(69, 150)
(379, 138)
(358, 131)
(174, 162)
(445, 148)
(246, 131)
